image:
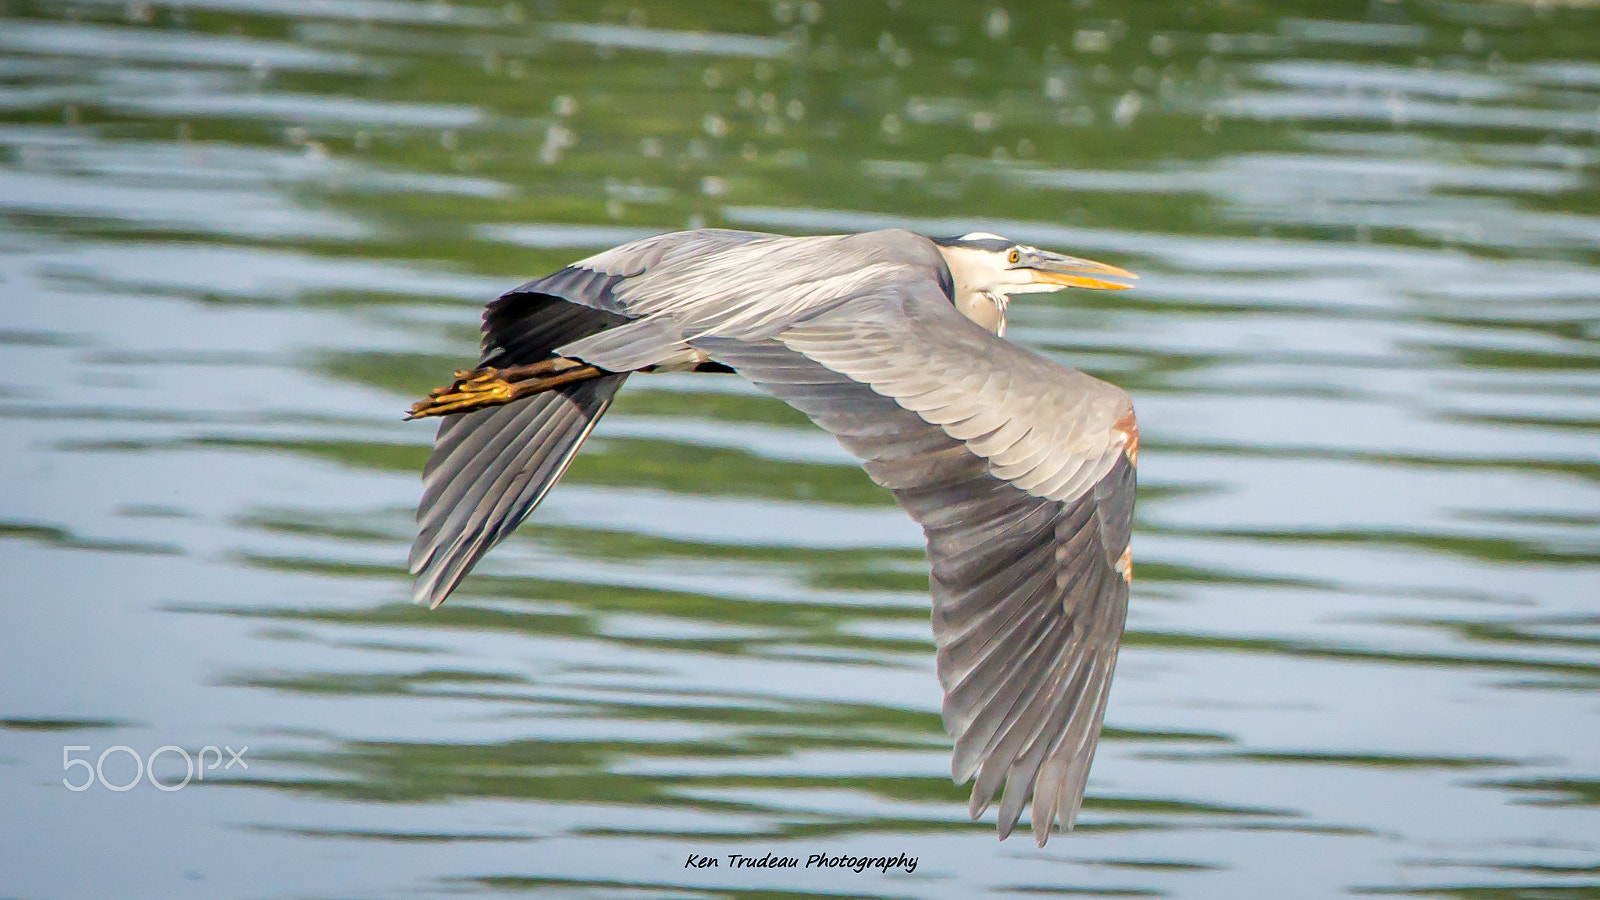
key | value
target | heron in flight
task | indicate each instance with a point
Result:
(1020, 470)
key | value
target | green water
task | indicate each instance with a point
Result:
(238, 237)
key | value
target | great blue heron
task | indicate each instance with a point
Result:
(1020, 471)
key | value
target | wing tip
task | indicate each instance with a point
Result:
(437, 576)
(1053, 803)
(977, 805)
(425, 591)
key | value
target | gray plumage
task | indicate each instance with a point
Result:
(1020, 471)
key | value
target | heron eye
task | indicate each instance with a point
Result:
(1015, 257)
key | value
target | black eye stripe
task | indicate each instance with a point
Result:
(993, 245)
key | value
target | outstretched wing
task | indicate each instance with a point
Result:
(1021, 473)
(487, 472)
(490, 468)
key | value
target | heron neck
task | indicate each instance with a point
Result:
(985, 308)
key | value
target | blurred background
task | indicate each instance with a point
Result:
(238, 237)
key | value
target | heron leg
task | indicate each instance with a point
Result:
(488, 386)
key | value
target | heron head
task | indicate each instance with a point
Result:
(985, 263)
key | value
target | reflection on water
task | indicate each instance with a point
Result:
(237, 236)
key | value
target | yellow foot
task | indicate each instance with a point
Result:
(471, 390)
(482, 388)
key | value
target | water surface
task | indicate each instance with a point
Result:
(238, 237)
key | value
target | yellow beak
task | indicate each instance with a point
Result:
(1070, 271)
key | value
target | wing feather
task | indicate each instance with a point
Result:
(1028, 602)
